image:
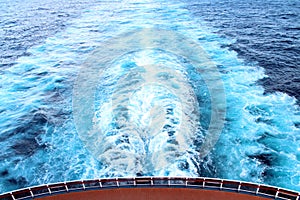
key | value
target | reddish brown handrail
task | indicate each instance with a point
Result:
(181, 182)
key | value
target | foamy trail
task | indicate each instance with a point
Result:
(148, 118)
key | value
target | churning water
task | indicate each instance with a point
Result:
(94, 89)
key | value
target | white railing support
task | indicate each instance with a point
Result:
(49, 190)
(66, 186)
(239, 188)
(100, 183)
(12, 196)
(117, 182)
(83, 184)
(257, 190)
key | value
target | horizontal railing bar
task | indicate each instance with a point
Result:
(201, 182)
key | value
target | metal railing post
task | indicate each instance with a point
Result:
(221, 186)
(66, 186)
(117, 182)
(100, 183)
(12, 196)
(257, 190)
(49, 189)
(239, 187)
(277, 192)
(134, 182)
(83, 184)
(31, 193)
(186, 182)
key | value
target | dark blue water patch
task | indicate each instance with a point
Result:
(265, 32)
(16, 182)
(21, 137)
(4, 173)
(297, 124)
(31, 124)
(265, 158)
(139, 174)
(26, 147)
(20, 181)
(25, 24)
(271, 141)
(269, 174)
(265, 120)
(25, 133)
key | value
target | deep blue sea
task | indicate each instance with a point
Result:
(92, 89)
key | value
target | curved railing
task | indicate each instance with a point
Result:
(139, 182)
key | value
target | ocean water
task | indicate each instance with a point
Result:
(93, 89)
(266, 33)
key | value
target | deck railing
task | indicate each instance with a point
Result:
(139, 182)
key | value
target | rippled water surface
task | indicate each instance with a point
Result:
(94, 89)
(266, 33)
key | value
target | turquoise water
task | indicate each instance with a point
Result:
(129, 88)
